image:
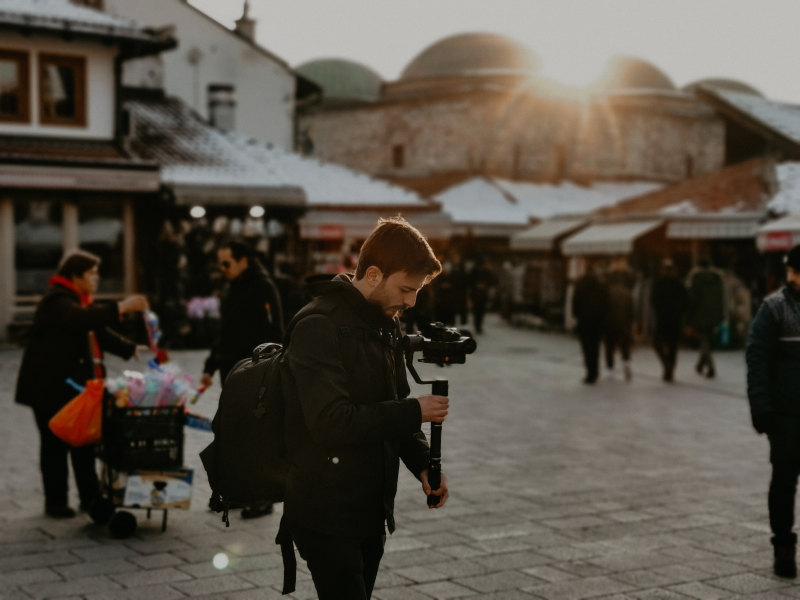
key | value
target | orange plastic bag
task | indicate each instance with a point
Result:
(80, 421)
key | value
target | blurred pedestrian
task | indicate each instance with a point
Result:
(250, 314)
(619, 319)
(773, 381)
(481, 281)
(707, 311)
(670, 300)
(445, 295)
(69, 334)
(589, 307)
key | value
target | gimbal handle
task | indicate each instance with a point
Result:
(440, 388)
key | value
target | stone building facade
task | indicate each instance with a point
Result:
(476, 104)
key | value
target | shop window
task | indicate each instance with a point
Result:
(100, 231)
(39, 244)
(62, 90)
(398, 156)
(14, 87)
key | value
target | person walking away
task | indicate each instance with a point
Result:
(250, 314)
(620, 316)
(773, 381)
(707, 310)
(349, 419)
(669, 300)
(589, 306)
(69, 334)
(481, 281)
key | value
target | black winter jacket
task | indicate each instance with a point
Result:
(773, 366)
(59, 348)
(350, 422)
(245, 321)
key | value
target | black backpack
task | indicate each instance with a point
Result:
(246, 462)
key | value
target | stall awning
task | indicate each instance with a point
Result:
(232, 195)
(779, 235)
(319, 224)
(104, 179)
(607, 238)
(722, 227)
(543, 236)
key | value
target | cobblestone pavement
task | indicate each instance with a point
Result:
(558, 490)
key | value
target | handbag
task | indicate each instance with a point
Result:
(80, 421)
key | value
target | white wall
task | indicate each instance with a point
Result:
(99, 81)
(209, 53)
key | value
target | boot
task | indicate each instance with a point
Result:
(784, 551)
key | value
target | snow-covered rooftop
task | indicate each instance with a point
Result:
(62, 14)
(787, 198)
(514, 203)
(783, 118)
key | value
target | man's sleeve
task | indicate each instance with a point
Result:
(759, 354)
(321, 381)
(415, 452)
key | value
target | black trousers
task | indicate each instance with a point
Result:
(53, 464)
(618, 338)
(665, 343)
(590, 346)
(341, 567)
(782, 491)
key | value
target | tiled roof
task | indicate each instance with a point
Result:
(740, 188)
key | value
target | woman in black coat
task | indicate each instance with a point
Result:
(68, 335)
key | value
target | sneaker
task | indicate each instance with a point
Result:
(59, 511)
(254, 512)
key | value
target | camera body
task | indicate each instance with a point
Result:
(445, 346)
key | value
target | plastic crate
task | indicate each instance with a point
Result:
(143, 438)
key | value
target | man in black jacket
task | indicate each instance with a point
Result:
(250, 313)
(350, 423)
(589, 307)
(773, 388)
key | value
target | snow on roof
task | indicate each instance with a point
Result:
(783, 118)
(61, 14)
(787, 199)
(329, 185)
(500, 201)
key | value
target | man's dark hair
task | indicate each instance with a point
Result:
(395, 245)
(76, 263)
(239, 250)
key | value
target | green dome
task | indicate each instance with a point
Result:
(342, 79)
(470, 54)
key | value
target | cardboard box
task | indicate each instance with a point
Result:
(153, 489)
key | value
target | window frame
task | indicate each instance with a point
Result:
(78, 64)
(23, 60)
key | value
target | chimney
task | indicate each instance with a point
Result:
(245, 26)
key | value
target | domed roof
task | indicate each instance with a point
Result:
(472, 54)
(629, 73)
(727, 85)
(343, 79)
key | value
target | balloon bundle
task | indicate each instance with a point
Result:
(161, 386)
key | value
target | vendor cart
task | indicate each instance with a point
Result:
(142, 456)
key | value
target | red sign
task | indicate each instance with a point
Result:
(778, 240)
(330, 232)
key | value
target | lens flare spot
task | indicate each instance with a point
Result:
(220, 561)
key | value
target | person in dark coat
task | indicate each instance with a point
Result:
(250, 314)
(481, 281)
(69, 334)
(670, 300)
(350, 422)
(706, 310)
(620, 316)
(589, 307)
(773, 389)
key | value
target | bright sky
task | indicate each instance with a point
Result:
(753, 41)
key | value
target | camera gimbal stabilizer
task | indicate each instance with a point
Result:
(446, 346)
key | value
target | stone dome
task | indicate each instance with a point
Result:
(342, 79)
(631, 73)
(726, 85)
(472, 54)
